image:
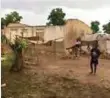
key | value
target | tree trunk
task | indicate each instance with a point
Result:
(18, 64)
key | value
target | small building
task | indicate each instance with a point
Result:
(23, 30)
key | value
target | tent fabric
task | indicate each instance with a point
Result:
(97, 36)
(89, 37)
(75, 28)
(108, 46)
(103, 41)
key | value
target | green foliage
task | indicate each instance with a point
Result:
(9, 59)
(20, 44)
(56, 17)
(2, 23)
(106, 28)
(3, 38)
(95, 26)
(13, 17)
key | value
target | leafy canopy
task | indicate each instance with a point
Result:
(56, 17)
(13, 17)
(106, 28)
(95, 26)
(20, 44)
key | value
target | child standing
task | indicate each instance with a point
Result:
(95, 54)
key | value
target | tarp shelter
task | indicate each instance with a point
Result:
(108, 46)
(74, 28)
(103, 41)
(90, 37)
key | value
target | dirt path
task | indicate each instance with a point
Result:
(56, 78)
(79, 69)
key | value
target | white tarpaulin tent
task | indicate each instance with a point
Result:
(75, 28)
(93, 37)
(108, 46)
(90, 37)
(103, 41)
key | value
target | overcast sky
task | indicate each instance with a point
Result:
(35, 12)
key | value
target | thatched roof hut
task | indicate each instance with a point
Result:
(75, 28)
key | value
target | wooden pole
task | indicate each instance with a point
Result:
(10, 36)
(55, 48)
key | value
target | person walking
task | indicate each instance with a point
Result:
(95, 54)
(77, 47)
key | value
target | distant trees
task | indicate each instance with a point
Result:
(13, 17)
(106, 28)
(56, 17)
(95, 26)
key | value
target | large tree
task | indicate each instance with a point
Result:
(13, 17)
(106, 28)
(95, 26)
(19, 45)
(2, 23)
(56, 17)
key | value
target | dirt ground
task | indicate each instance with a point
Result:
(55, 77)
(59, 78)
(78, 68)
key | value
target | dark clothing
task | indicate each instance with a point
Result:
(78, 45)
(94, 62)
(93, 66)
(95, 53)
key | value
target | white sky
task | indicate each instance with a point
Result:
(35, 12)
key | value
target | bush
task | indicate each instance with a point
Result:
(3, 39)
(20, 44)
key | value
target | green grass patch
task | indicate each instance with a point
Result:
(9, 59)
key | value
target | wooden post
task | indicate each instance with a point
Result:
(32, 31)
(10, 36)
(55, 48)
(23, 30)
(22, 34)
(37, 37)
